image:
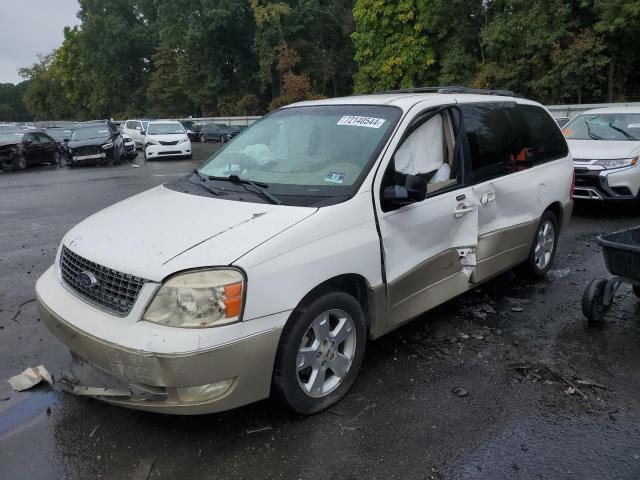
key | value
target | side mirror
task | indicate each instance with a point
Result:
(414, 190)
(143, 132)
(66, 140)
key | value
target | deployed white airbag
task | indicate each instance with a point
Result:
(423, 151)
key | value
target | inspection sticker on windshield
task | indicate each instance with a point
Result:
(334, 177)
(356, 121)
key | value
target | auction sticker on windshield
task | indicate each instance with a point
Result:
(356, 121)
(334, 177)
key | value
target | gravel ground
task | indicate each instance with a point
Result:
(539, 395)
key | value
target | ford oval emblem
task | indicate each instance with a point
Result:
(87, 279)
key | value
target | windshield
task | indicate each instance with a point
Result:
(307, 151)
(59, 134)
(604, 126)
(165, 129)
(85, 133)
(6, 136)
(9, 128)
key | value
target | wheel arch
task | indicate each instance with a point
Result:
(350, 283)
(557, 209)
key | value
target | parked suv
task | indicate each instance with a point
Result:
(97, 143)
(605, 144)
(325, 224)
(213, 132)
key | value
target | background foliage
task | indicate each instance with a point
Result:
(240, 57)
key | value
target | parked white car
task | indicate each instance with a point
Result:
(136, 129)
(323, 225)
(605, 144)
(166, 138)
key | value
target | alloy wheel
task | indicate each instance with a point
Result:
(326, 353)
(545, 243)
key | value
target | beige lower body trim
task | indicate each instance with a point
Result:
(248, 361)
(426, 286)
(503, 249)
(440, 278)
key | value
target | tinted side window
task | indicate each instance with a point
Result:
(492, 140)
(541, 138)
(129, 124)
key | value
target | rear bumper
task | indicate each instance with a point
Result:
(207, 380)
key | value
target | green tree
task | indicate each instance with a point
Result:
(391, 45)
(167, 95)
(44, 97)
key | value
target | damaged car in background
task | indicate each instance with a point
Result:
(19, 150)
(98, 143)
(325, 224)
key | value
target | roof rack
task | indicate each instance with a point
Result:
(453, 89)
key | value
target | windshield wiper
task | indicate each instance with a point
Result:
(590, 133)
(204, 185)
(259, 188)
(623, 132)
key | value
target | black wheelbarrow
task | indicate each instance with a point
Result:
(622, 255)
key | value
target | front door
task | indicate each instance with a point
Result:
(429, 246)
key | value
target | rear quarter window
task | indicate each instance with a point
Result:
(540, 134)
(507, 137)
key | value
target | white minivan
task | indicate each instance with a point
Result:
(136, 129)
(325, 224)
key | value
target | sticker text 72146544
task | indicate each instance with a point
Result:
(357, 121)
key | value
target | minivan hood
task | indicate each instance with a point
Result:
(602, 149)
(161, 231)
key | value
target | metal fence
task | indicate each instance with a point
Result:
(569, 111)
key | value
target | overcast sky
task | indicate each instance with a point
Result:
(30, 27)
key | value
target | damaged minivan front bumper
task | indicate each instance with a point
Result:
(211, 376)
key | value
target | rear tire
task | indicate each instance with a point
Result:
(543, 248)
(323, 335)
(592, 306)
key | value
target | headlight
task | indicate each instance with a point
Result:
(107, 146)
(184, 140)
(618, 162)
(199, 299)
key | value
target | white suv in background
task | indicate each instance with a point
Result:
(166, 138)
(136, 130)
(325, 224)
(605, 144)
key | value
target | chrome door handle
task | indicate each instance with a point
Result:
(488, 198)
(463, 209)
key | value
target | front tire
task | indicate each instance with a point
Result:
(636, 290)
(543, 248)
(320, 352)
(203, 139)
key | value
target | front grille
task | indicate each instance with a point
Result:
(587, 180)
(89, 150)
(174, 142)
(114, 292)
(177, 152)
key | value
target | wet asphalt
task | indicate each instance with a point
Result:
(539, 394)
